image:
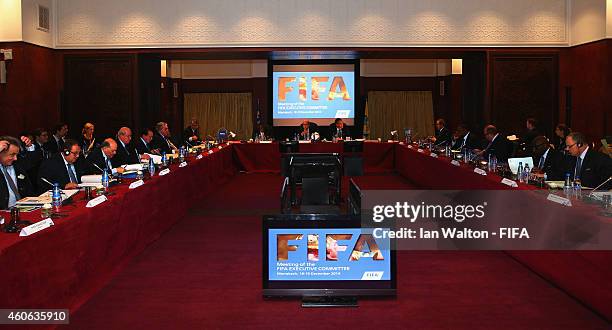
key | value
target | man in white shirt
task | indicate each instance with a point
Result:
(14, 183)
(590, 166)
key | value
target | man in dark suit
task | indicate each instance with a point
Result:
(14, 181)
(588, 165)
(56, 142)
(126, 154)
(62, 168)
(498, 145)
(464, 138)
(306, 129)
(263, 132)
(443, 135)
(161, 138)
(41, 138)
(548, 162)
(100, 158)
(191, 134)
(143, 143)
(338, 129)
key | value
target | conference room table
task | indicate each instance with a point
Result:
(64, 265)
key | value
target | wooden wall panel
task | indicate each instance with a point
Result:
(30, 98)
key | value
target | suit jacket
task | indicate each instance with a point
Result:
(554, 165)
(333, 130)
(500, 148)
(472, 142)
(55, 171)
(24, 185)
(443, 135)
(125, 155)
(52, 146)
(159, 142)
(596, 168)
(95, 157)
(140, 146)
(311, 129)
(187, 133)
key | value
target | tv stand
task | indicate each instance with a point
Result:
(327, 301)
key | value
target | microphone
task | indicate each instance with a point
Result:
(189, 144)
(441, 143)
(603, 183)
(98, 167)
(47, 181)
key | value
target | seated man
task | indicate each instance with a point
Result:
(161, 138)
(443, 135)
(463, 138)
(306, 129)
(143, 144)
(62, 168)
(262, 132)
(100, 158)
(14, 181)
(498, 145)
(588, 165)
(548, 162)
(56, 142)
(41, 137)
(125, 152)
(338, 129)
(191, 134)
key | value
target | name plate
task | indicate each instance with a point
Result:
(164, 172)
(136, 184)
(183, 164)
(558, 199)
(220, 147)
(410, 146)
(509, 182)
(199, 157)
(210, 151)
(97, 201)
(36, 227)
(402, 143)
(434, 155)
(420, 150)
(456, 163)
(480, 171)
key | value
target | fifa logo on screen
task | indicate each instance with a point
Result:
(337, 88)
(365, 247)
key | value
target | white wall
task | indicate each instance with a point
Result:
(31, 33)
(588, 21)
(189, 23)
(10, 20)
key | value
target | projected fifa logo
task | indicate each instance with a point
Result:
(337, 88)
(365, 247)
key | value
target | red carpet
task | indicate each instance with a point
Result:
(206, 273)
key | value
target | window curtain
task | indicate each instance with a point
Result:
(215, 110)
(394, 111)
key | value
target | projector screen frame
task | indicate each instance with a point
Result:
(282, 132)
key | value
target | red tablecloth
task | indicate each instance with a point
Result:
(66, 264)
(583, 274)
(265, 157)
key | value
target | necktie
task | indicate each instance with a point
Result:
(71, 174)
(11, 183)
(578, 168)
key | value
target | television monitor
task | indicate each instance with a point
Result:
(322, 255)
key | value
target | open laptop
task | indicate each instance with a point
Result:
(513, 163)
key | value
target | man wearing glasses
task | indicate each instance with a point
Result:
(588, 165)
(14, 182)
(62, 168)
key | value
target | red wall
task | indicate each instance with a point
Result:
(30, 98)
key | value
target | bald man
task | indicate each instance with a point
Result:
(101, 158)
(126, 153)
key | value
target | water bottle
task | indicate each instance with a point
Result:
(56, 196)
(105, 180)
(527, 173)
(151, 167)
(577, 188)
(182, 154)
(519, 172)
(164, 159)
(567, 186)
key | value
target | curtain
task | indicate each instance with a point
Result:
(390, 111)
(215, 110)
